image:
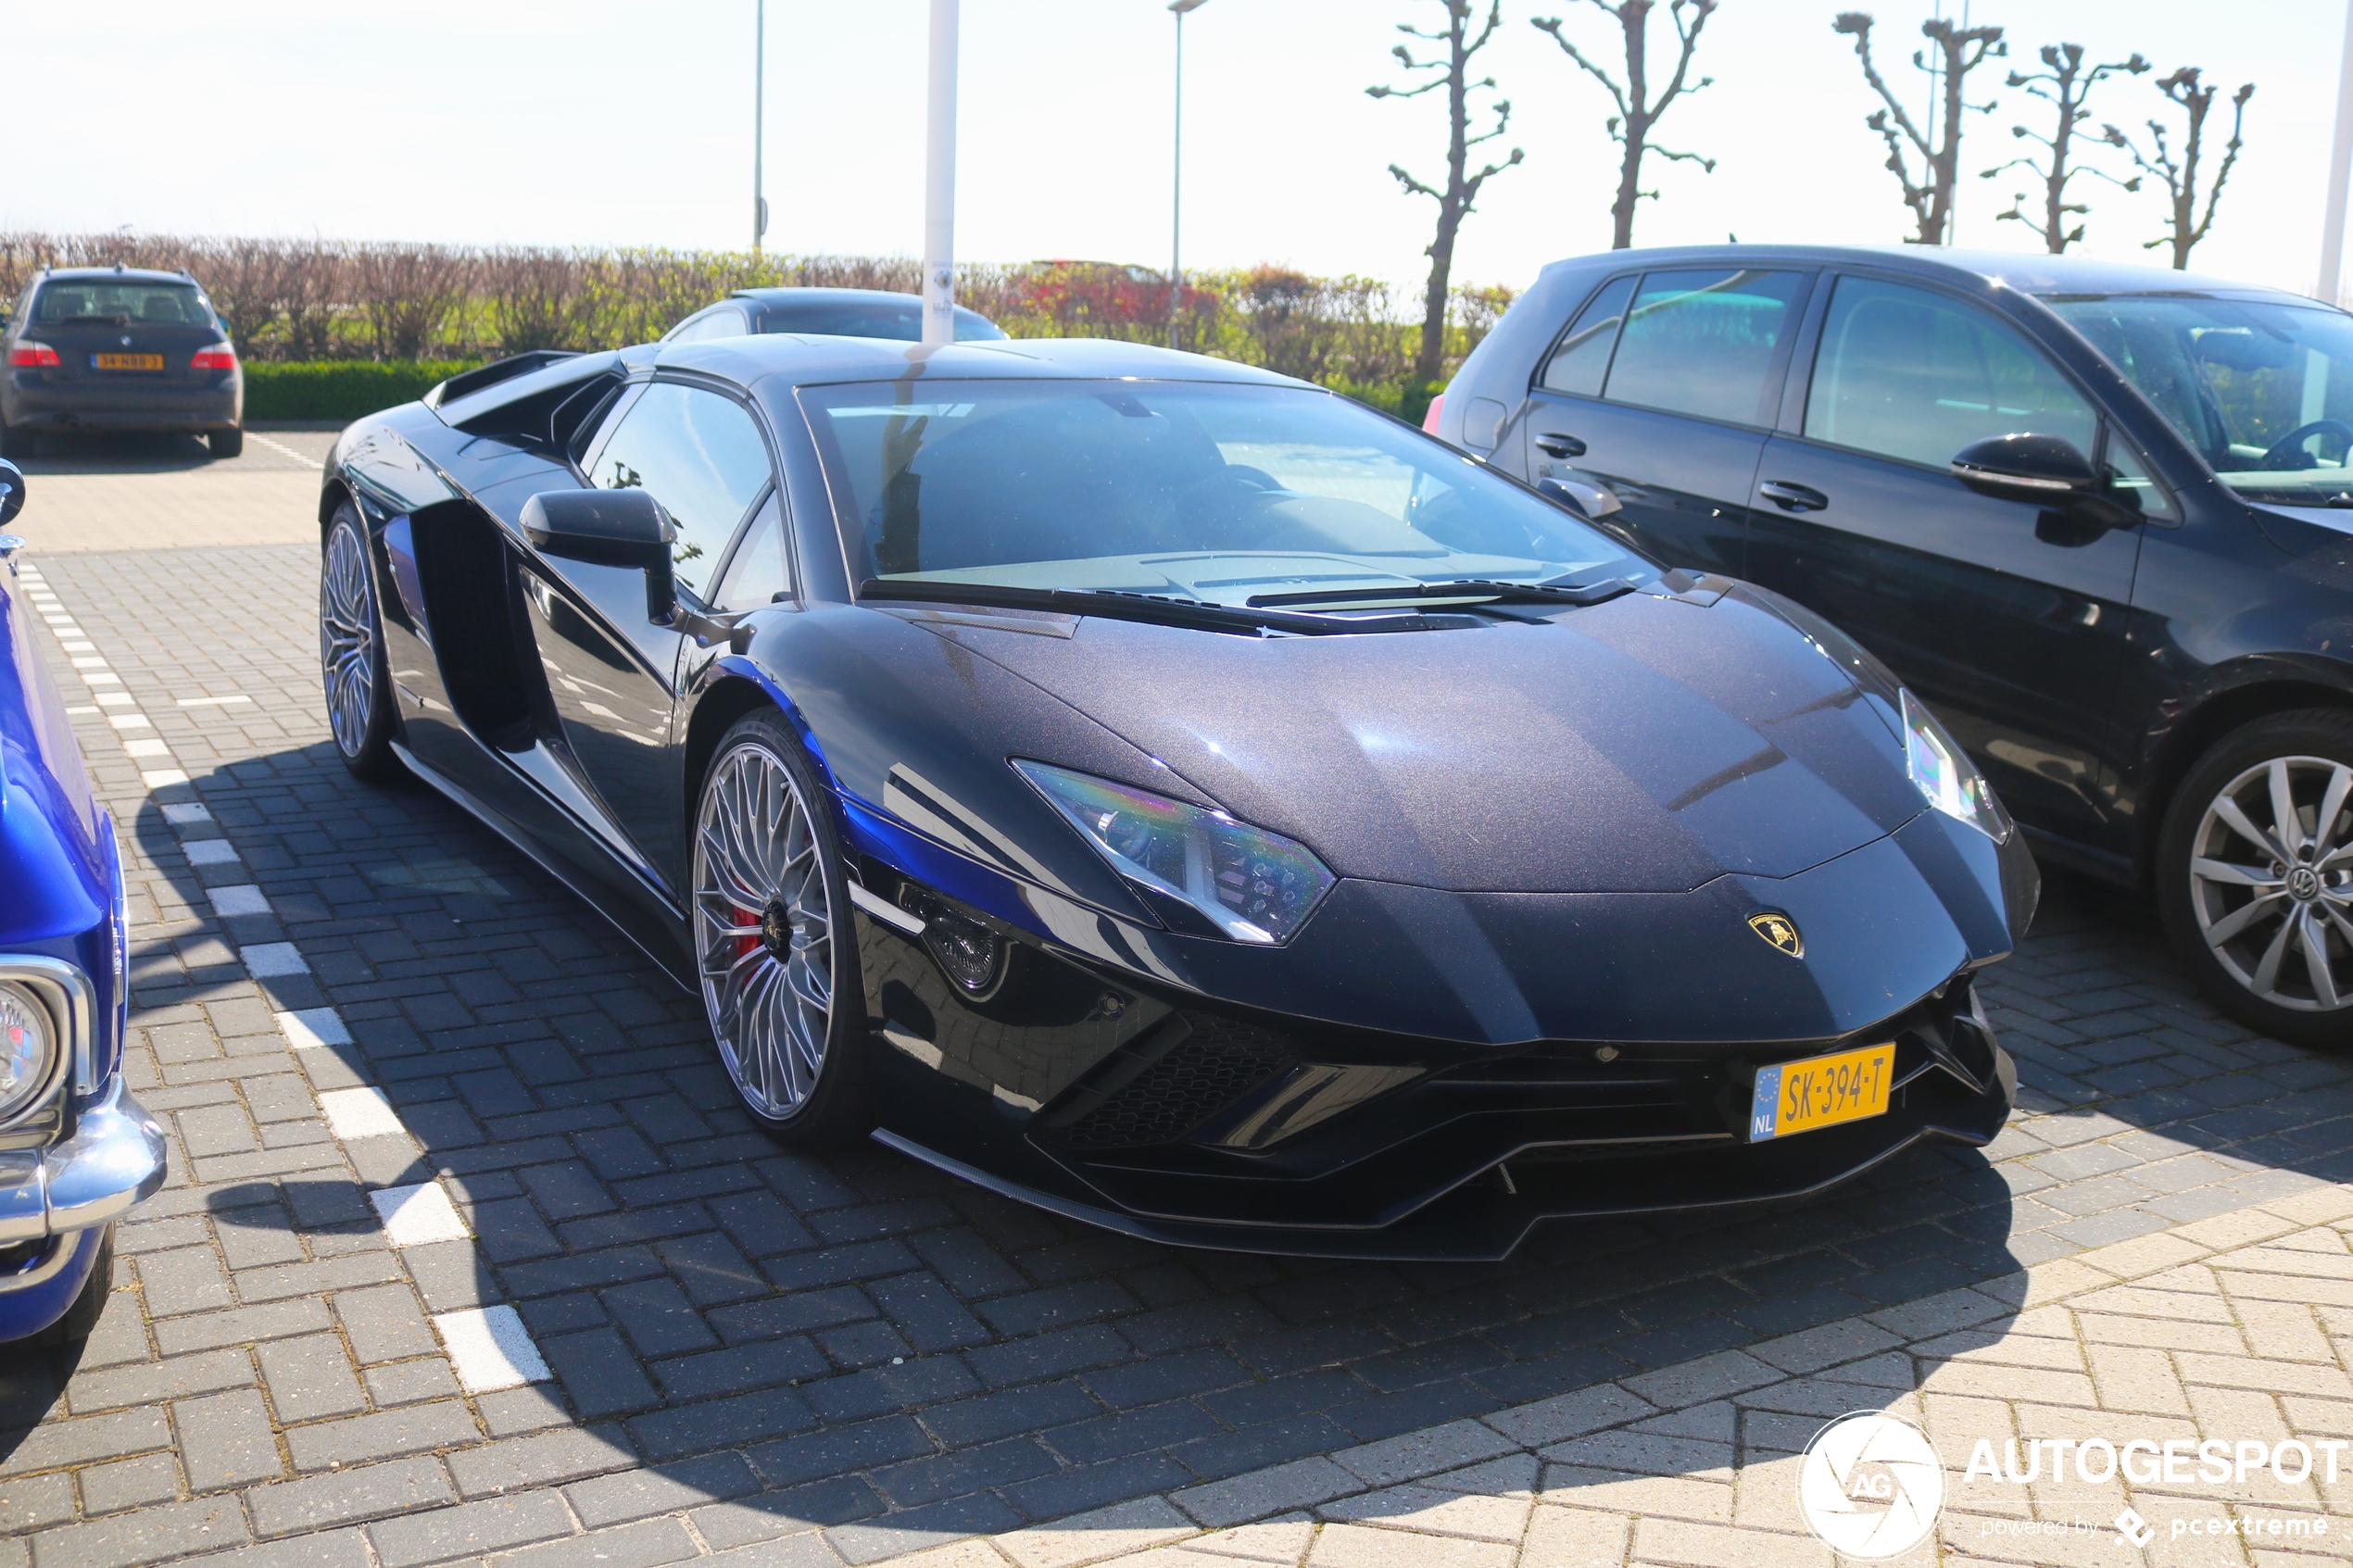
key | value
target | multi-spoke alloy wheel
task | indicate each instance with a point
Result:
(351, 656)
(2271, 881)
(348, 640)
(765, 924)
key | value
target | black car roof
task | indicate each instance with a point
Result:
(2038, 275)
(113, 274)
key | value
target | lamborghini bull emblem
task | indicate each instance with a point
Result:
(1779, 930)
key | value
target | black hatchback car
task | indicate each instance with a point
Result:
(2099, 517)
(116, 348)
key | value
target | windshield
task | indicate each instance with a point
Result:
(124, 305)
(2263, 391)
(902, 322)
(1190, 489)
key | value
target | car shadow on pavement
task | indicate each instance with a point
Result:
(856, 1343)
(118, 452)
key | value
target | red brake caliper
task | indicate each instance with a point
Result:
(746, 943)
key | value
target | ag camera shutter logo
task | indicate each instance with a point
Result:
(1870, 1486)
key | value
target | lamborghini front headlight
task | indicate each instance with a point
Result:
(1946, 776)
(1246, 884)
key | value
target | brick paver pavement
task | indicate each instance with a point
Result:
(467, 1253)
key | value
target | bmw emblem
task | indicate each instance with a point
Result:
(126, 340)
(1779, 930)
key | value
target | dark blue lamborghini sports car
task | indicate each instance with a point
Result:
(1173, 794)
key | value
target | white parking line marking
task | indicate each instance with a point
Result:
(210, 852)
(242, 900)
(265, 960)
(183, 813)
(146, 749)
(81, 712)
(87, 662)
(490, 1348)
(79, 647)
(163, 778)
(116, 699)
(211, 701)
(360, 1113)
(415, 1215)
(283, 449)
(131, 722)
(101, 678)
(309, 1028)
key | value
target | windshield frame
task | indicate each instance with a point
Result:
(2242, 484)
(1608, 554)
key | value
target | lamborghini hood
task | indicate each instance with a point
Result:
(1649, 744)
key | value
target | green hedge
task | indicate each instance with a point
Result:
(340, 389)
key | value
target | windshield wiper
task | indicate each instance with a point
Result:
(1154, 607)
(1464, 588)
(72, 321)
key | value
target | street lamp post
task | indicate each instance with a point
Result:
(940, 183)
(759, 121)
(2340, 166)
(1177, 175)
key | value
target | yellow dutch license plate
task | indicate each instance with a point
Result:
(1821, 1091)
(127, 361)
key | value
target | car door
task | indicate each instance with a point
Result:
(612, 674)
(1662, 389)
(2009, 619)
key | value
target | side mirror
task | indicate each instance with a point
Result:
(2026, 468)
(11, 491)
(624, 528)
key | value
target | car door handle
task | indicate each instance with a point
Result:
(1792, 497)
(1557, 445)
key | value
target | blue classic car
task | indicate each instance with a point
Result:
(76, 1150)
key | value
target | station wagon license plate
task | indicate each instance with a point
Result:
(126, 361)
(1821, 1091)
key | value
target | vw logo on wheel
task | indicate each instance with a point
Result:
(1870, 1486)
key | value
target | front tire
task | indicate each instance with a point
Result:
(351, 654)
(2254, 872)
(774, 943)
(226, 443)
(82, 1319)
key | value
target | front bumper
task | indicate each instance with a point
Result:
(114, 1158)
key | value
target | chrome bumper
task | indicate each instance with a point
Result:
(115, 1158)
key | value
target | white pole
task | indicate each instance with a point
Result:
(940, 183)
(2340, 165)
(759, 118)
(1176, 191)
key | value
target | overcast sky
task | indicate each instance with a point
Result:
(598, 123)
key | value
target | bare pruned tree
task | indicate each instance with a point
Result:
(406, 292)
(2064, 86)
(2180, 175)
(1461, 189)
(1959, 50)
(1638, 112)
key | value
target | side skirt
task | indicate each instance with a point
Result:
(649, 939)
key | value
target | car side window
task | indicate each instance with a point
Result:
(1704, 343)
(1583, 359)
(1909, 374)
(699, 455)
(2131, 482)
(759, 573)
(726, 323)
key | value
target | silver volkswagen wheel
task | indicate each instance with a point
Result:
(2271, 881)
(763, 930)
(348, 640)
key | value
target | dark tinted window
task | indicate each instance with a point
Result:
(701, 456)
(1578, 364)
(167, 305)
(759, 571)
(1702, 343)
(1911, 374)
(903, 323)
